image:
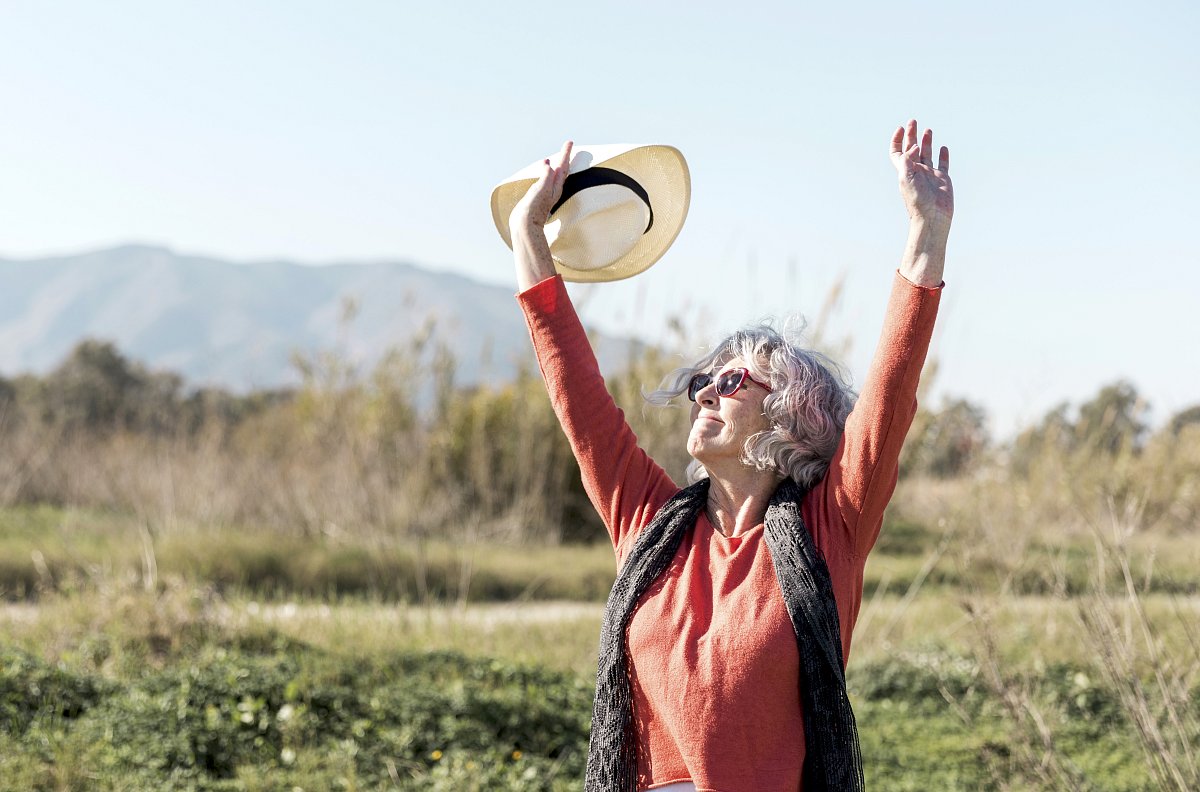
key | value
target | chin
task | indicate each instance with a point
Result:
(701, 453)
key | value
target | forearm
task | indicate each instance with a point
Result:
(867, 465)
(532, 253)
(924, 257)
(623, 482)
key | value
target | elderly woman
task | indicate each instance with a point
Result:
(725, 637)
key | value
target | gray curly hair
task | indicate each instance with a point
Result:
(807, 407)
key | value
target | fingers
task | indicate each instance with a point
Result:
(910, 135)
(564, 162)
(906, 144)
(555, 170)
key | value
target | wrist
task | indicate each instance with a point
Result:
(523, 224)
(924, 258)
(928, 236)
(532, 251)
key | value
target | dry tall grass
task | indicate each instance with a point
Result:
(1105, 536)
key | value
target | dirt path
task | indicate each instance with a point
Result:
(485, 615)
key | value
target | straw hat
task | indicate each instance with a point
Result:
(622, 206)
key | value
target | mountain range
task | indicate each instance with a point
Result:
(237, 326)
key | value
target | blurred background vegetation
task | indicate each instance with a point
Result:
(380, 579)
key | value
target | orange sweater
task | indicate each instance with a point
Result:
(713, 656)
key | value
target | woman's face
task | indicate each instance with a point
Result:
(722, 424)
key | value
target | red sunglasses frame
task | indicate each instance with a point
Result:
(693, 390)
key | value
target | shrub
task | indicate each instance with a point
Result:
(229, 712)
(31, 689)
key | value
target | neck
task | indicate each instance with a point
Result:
(738, 498)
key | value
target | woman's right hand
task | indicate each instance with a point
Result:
(533, 210)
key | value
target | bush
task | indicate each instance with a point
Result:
(919, 679)
(231, 714)
(31, 689)
(945, 443)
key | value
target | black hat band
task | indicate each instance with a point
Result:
(595, 177)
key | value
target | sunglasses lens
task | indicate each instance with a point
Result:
(729, 382)
(697, 383)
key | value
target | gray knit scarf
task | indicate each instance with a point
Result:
(832, 759)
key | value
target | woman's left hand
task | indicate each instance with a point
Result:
(927, 191)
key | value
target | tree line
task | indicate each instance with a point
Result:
(354, 449)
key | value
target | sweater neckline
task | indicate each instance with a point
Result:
(729, 541)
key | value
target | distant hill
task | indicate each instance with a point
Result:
(237, 325)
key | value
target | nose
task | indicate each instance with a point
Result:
(707, 396)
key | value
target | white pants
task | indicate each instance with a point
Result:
(682, 786)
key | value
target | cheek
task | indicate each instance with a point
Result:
(750, 422)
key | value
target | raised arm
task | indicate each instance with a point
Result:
(624, 484)
(867, 463)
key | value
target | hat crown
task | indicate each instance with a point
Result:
(613, 227)
(597, 227)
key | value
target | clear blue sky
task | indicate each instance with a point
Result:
(365, 130)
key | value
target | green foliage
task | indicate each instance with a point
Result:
(945, 443)
(46, 551)
(921, 678)
(8, 396)
(931, 720)
(1105, 460)
(395, 450)
(347, 448)
(904, 537)
(1113, 420)
(504, 451)
(96, 389)
(183, 690)
(1054, 436)
(1183, 419)
(31, 689)
(226, 716)
(253, 710)
(1110, 423)
(661, 431)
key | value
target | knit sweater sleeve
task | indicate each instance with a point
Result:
(865, 468)
(624, 484)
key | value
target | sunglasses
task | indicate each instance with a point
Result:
(729, 382)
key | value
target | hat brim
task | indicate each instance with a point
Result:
(661, 170)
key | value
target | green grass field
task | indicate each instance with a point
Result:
(179, 689)
(226, 660)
